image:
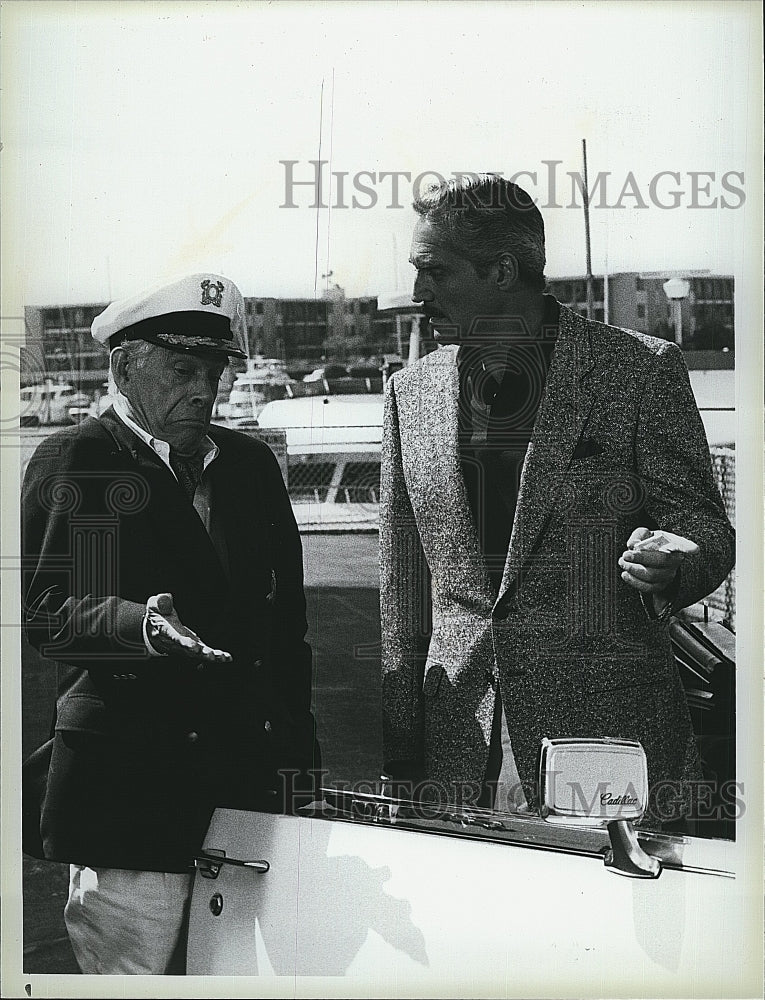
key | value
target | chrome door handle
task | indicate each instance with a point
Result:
(626, 856)
(210, 861)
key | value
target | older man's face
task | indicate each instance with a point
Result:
(173, 394)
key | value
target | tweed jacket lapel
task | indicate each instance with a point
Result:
(568, 399)
(434, 462)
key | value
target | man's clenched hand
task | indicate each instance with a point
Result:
(168, 635)
(652, 559)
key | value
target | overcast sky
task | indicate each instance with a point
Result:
(142, 140)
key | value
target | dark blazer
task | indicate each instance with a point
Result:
(145, 748)
(617, 443)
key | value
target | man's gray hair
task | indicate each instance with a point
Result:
(137, 351)
(482, 216)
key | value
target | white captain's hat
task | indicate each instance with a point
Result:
(198, 314)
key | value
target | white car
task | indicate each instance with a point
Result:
(362, 896)
(51, 403)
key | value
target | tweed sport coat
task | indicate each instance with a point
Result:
(145, 748)
(617, 443)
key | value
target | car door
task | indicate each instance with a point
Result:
(469, 903)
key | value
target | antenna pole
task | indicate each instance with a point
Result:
(318, 200)
(586, 201)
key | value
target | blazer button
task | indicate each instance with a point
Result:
(267, 726)
(192, 737)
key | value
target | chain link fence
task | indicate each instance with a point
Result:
(343, 480)
(308, 482)
(724, 469)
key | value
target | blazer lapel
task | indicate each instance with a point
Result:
(566, 404)
(436, 464)
(175, 520)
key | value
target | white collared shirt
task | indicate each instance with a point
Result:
(124, 411)
(202, 496)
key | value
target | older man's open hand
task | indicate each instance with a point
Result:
(169, 636)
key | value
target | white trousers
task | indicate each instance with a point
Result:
(128, 923)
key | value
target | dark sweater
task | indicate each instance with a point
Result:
(496, 423)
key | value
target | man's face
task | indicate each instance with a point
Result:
(449, 287)
(173, 393)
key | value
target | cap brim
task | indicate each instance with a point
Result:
(203, 346)
(206, 352)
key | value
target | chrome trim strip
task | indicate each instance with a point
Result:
(675, 852)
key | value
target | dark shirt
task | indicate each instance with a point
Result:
(496, 420)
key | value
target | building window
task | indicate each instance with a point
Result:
(259, 308)
(641, 311)
(639, 284)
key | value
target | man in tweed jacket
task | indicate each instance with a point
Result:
(522, 463)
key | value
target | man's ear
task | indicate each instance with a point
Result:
(118, 363)
(507, 272)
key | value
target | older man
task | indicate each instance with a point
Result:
(163, 573)
(526, 468)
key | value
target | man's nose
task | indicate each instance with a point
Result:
(421, 292)
(202, 392)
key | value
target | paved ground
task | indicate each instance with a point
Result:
(344, 630)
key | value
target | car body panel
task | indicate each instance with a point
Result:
(385, 911)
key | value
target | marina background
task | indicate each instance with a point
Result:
(141, 140)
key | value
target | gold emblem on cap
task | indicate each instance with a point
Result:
(212, 293)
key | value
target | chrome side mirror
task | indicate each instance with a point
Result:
(600, 783)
